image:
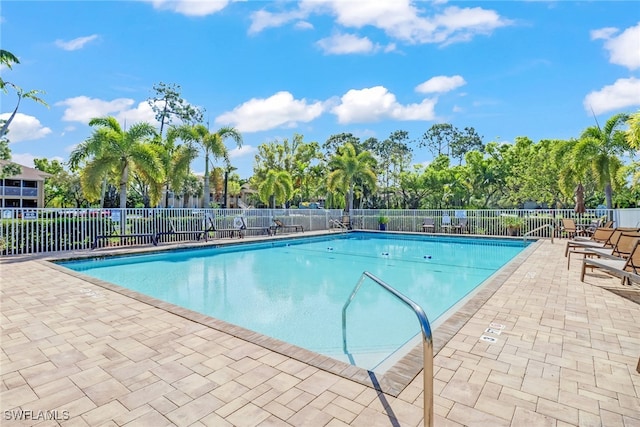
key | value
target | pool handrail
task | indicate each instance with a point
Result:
(427, 339)
(553, 229)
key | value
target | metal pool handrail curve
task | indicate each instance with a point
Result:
(427, 339)
(540, 228)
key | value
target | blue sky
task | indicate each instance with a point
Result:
(317, 68)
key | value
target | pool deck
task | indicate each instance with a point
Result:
(88, 356)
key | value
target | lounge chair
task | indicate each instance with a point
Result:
(209, 226)
(445, 224)
(591, 228)
(621, 249)
(197, 234)
(461, 226)
(122, 237)
(279, 225)
(241, 224)
(428, 225)
(570, 228)
(627, 269)
(591, 247)
(598, 239)
(601, 238)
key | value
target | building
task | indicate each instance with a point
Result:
(25, 190)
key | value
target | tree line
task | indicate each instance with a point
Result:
(136, 166)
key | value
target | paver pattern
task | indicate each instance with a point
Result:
(78, 354)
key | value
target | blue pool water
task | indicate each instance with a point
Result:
(294, 290)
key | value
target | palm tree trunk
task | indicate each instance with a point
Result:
(123, 187)
(205, 198)
(103, 190)
(608, 195)
(350, 197)
(5, 125)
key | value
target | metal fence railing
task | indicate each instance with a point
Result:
(489, 222)
(30, 231)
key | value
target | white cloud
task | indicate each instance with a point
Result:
(377, 103)
(244, 151)
(262, 19)
(24, 128)
(26, 159)
(441, 84)
(399, 19)
(304, 25)
(279, 110)
(624, 93)
(82, 109)
(624, 49)
(75, 44)
(341, 44)
(142, 113)
(190, 7)
(457, 25)
(603, 33)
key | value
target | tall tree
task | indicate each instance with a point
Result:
(295, 156)
(414, 187)
(8, 59)
(633, 139)
(55, 190)
(346, 167)
(599, 149)
(113, 150)
(438, 139)
(465, 141)
(176, 160)
(394, 156)
(534, 172)
(213, 145)
(168, 105)
(337, 141)
(633, 133)
(276, 189)
(7, 169)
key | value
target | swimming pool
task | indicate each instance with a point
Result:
(294, 289)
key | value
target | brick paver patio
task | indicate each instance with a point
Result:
(85, 355)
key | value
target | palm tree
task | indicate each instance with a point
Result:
(176, 160)
(8, 59)
(212, 143)
(276, 189)
(598, 149)
(633, 133)
(633, 139)
(112, 150)
(347, 167)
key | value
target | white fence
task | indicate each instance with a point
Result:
(30, 231)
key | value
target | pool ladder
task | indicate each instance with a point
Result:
(339, 224)
(427, 339)
(528, 233)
